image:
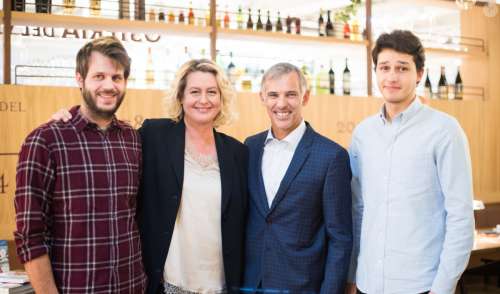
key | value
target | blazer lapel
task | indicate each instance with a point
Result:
(225, 158)
(261, 195)
(177, 150)
(299, 158)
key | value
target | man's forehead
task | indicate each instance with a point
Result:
(100, 62)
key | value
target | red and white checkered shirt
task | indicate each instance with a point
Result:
(76, 201)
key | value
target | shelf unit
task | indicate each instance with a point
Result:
(211, 32)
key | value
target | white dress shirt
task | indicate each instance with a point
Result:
(412, 202)
(277, 157)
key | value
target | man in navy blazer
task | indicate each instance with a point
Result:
(299, 226)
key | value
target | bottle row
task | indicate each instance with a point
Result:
(445, 90)
(319, 80)
(225, 19)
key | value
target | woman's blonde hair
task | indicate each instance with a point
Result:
(173, 99)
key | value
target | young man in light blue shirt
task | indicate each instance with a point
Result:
(411, 185)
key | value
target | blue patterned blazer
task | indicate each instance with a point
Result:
(303, 242)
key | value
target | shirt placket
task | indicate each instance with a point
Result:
(392, 135)
(112, 209)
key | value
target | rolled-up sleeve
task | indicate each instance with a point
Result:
(34, 181)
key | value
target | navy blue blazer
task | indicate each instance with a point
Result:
(161, 191)
(303, 242)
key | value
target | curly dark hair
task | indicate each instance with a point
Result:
(401, 41)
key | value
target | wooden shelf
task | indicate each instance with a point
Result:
(106, 24)
(277, 36)
(455, 52)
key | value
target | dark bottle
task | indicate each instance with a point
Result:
(329, 25)
(297, 26)
(288, 25)
(443, 85)
(18, 5)
(428, 86)
(161, 16)
(321, 24)
(140, 9)
(124, 9)
(459, 86)
(331, 77)
(269, 24)
(260, 25)
(43, 6)
(181, 17)
(279, 25)
(249, 21)
(346, 80)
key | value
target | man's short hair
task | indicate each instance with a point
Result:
(280, 69)
(108, 46)
(403, 42)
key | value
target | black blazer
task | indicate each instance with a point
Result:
(160, 194)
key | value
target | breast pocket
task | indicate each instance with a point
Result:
(414, 170)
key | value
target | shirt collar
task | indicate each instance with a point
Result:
(293, 138)
(81, 122)
(406, 114)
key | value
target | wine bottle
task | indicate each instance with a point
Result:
(428, 86)
(260, 25)
(329, 25)
(227, 20)
(346, 80)
(18, 5)
(140, 10)
(181, 17)
(171, 16)
(95, 7)
(239, 18)
(443, 85)
(297, 25)
(231, 70)
(191, 14)
(347, 31)
(69, 7)
(321, 24)
(124, 9)
(249, 21)
(331, 77)
(152, 15)
(288, 24)
(307, 76)
(43, 6)
(279, 25)
(322, 81)
(269, 24)
(459, 86)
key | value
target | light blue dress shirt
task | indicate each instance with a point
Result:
(412, 202)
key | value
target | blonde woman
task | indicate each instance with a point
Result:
(192, 202)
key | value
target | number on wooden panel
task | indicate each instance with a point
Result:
(345, 127)
(3, 184)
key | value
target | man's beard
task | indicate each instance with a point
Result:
(90, 101)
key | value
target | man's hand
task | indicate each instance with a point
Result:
(40, 274)
(61, 115)
(350, 288)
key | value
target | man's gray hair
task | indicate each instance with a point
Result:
(280, 69)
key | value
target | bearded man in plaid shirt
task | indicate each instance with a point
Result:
(77, 184)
